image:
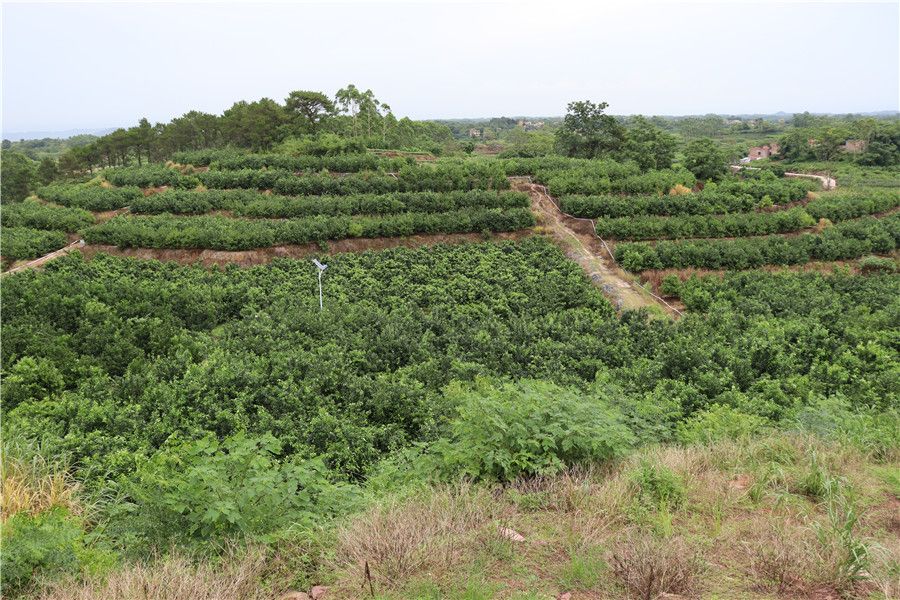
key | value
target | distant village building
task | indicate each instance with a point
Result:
(765, 151)
(475, 133)
(854, 146)
(529, 125)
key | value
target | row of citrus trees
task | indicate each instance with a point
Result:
(727, 197)
(251, 203)
(228, 160)
(850, 239)
(224, 233)
(446, 176)
(31, 229)
(833, 208)
(90, 197)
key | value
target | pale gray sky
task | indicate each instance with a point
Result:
(108, 64)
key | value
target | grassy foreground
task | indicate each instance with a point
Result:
(781, 515)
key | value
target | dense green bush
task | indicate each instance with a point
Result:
(50, 544)
(526, 429)
(873, 432)
(205, 491)
(323, 184)
(840, 206)
(440, 177)
(764, 184)
(42, 216)
(148, 176)
(250, 203)
(254, 179)
(224, 233)
(705, 202)
(731, 195)
(547, 164)
(850, 239)
(657, 486)
(590, 181)
(877, 264)
(17, 243)
(93, 197)
(718, 422)
(228, 160)
(704, 226)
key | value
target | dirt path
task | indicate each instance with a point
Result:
(581, 243)
(37, 262)
(828, 183)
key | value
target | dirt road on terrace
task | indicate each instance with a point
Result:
(828, 183)
(37, 262)
(580, 243)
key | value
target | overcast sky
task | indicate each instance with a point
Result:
(101, 65)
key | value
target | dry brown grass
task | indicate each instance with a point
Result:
(796, 561)
(781, 560)
(886, 568)
(32, 484)
(175, 578)
(429, 534)
(648, 567)
(679, 190)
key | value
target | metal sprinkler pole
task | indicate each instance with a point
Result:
(321, 268)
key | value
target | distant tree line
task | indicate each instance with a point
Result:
(308, 121)
(822, 138)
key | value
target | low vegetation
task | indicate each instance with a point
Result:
(224, 233)
(850, 239)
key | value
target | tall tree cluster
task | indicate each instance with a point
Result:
(260, 126)
(588, 132)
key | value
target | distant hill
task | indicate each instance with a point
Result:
(16, 136)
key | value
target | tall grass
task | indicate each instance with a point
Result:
(33, 483)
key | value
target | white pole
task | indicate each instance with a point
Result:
(320, 291)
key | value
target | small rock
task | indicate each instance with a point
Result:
(511, 535)
(318, 592)
(565, 596)
(295, 596)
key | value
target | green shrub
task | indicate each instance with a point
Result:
(716, 423)
(42, 216)
(252, 203)
(206, 490)
(30, 379)
(224, 233)
(873, 432)
(850, 239)
(671, 285)
(48, 545)
(230, 159)
(528, 428)
(23, 242)
(657, 486)
(704, 226)
(90, 197)
(877, 264)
